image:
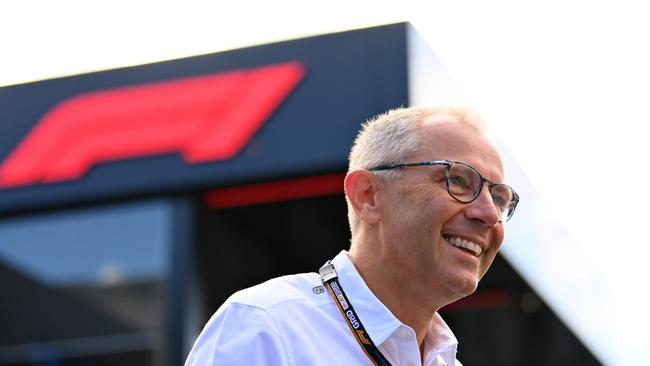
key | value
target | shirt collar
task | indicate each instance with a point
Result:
(379, 322)
(440, 340)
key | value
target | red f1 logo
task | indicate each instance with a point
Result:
(205, 118)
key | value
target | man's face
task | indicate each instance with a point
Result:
(422, 221)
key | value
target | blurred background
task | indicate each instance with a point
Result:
(157, 156)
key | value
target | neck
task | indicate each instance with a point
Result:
(388, 284)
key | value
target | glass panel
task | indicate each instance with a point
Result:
(84, 287)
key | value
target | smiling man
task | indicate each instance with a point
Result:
(426, 205)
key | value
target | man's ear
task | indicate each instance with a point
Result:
(361, 189)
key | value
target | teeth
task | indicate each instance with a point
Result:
(466, 244)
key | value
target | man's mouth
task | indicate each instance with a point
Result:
(465, 244)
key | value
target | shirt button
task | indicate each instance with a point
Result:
(410, 364)
(404, 333)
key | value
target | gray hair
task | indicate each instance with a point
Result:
(392, 137)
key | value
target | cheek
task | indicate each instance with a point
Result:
(491, 254)
(420, 210)
(436, 205)
(427, 196)
(498, 237)
(409, 204)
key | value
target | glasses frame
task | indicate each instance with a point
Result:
(449, 164)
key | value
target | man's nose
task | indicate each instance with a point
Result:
(484, 209)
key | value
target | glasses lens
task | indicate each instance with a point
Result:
(503, 198)
(464, 182)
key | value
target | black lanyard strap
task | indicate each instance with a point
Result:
(330, 281)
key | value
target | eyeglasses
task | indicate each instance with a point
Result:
(464, 184)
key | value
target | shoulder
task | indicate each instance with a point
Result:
(239, 335)
(304, 288)
(268, 306)
(258, 318)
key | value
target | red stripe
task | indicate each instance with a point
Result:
(482, 299)
(274, 191)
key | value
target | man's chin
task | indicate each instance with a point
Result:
(462, 287)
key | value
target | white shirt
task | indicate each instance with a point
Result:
(292, 320)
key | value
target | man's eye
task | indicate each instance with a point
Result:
(499, 201)
(501, 197)
(459, 181)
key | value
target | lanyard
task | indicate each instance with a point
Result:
(330, 281)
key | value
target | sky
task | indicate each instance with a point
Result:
(564, 85)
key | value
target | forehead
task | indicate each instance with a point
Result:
(442, 137)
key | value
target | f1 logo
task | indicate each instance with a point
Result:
(205, 118)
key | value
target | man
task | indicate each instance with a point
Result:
(426, 205)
